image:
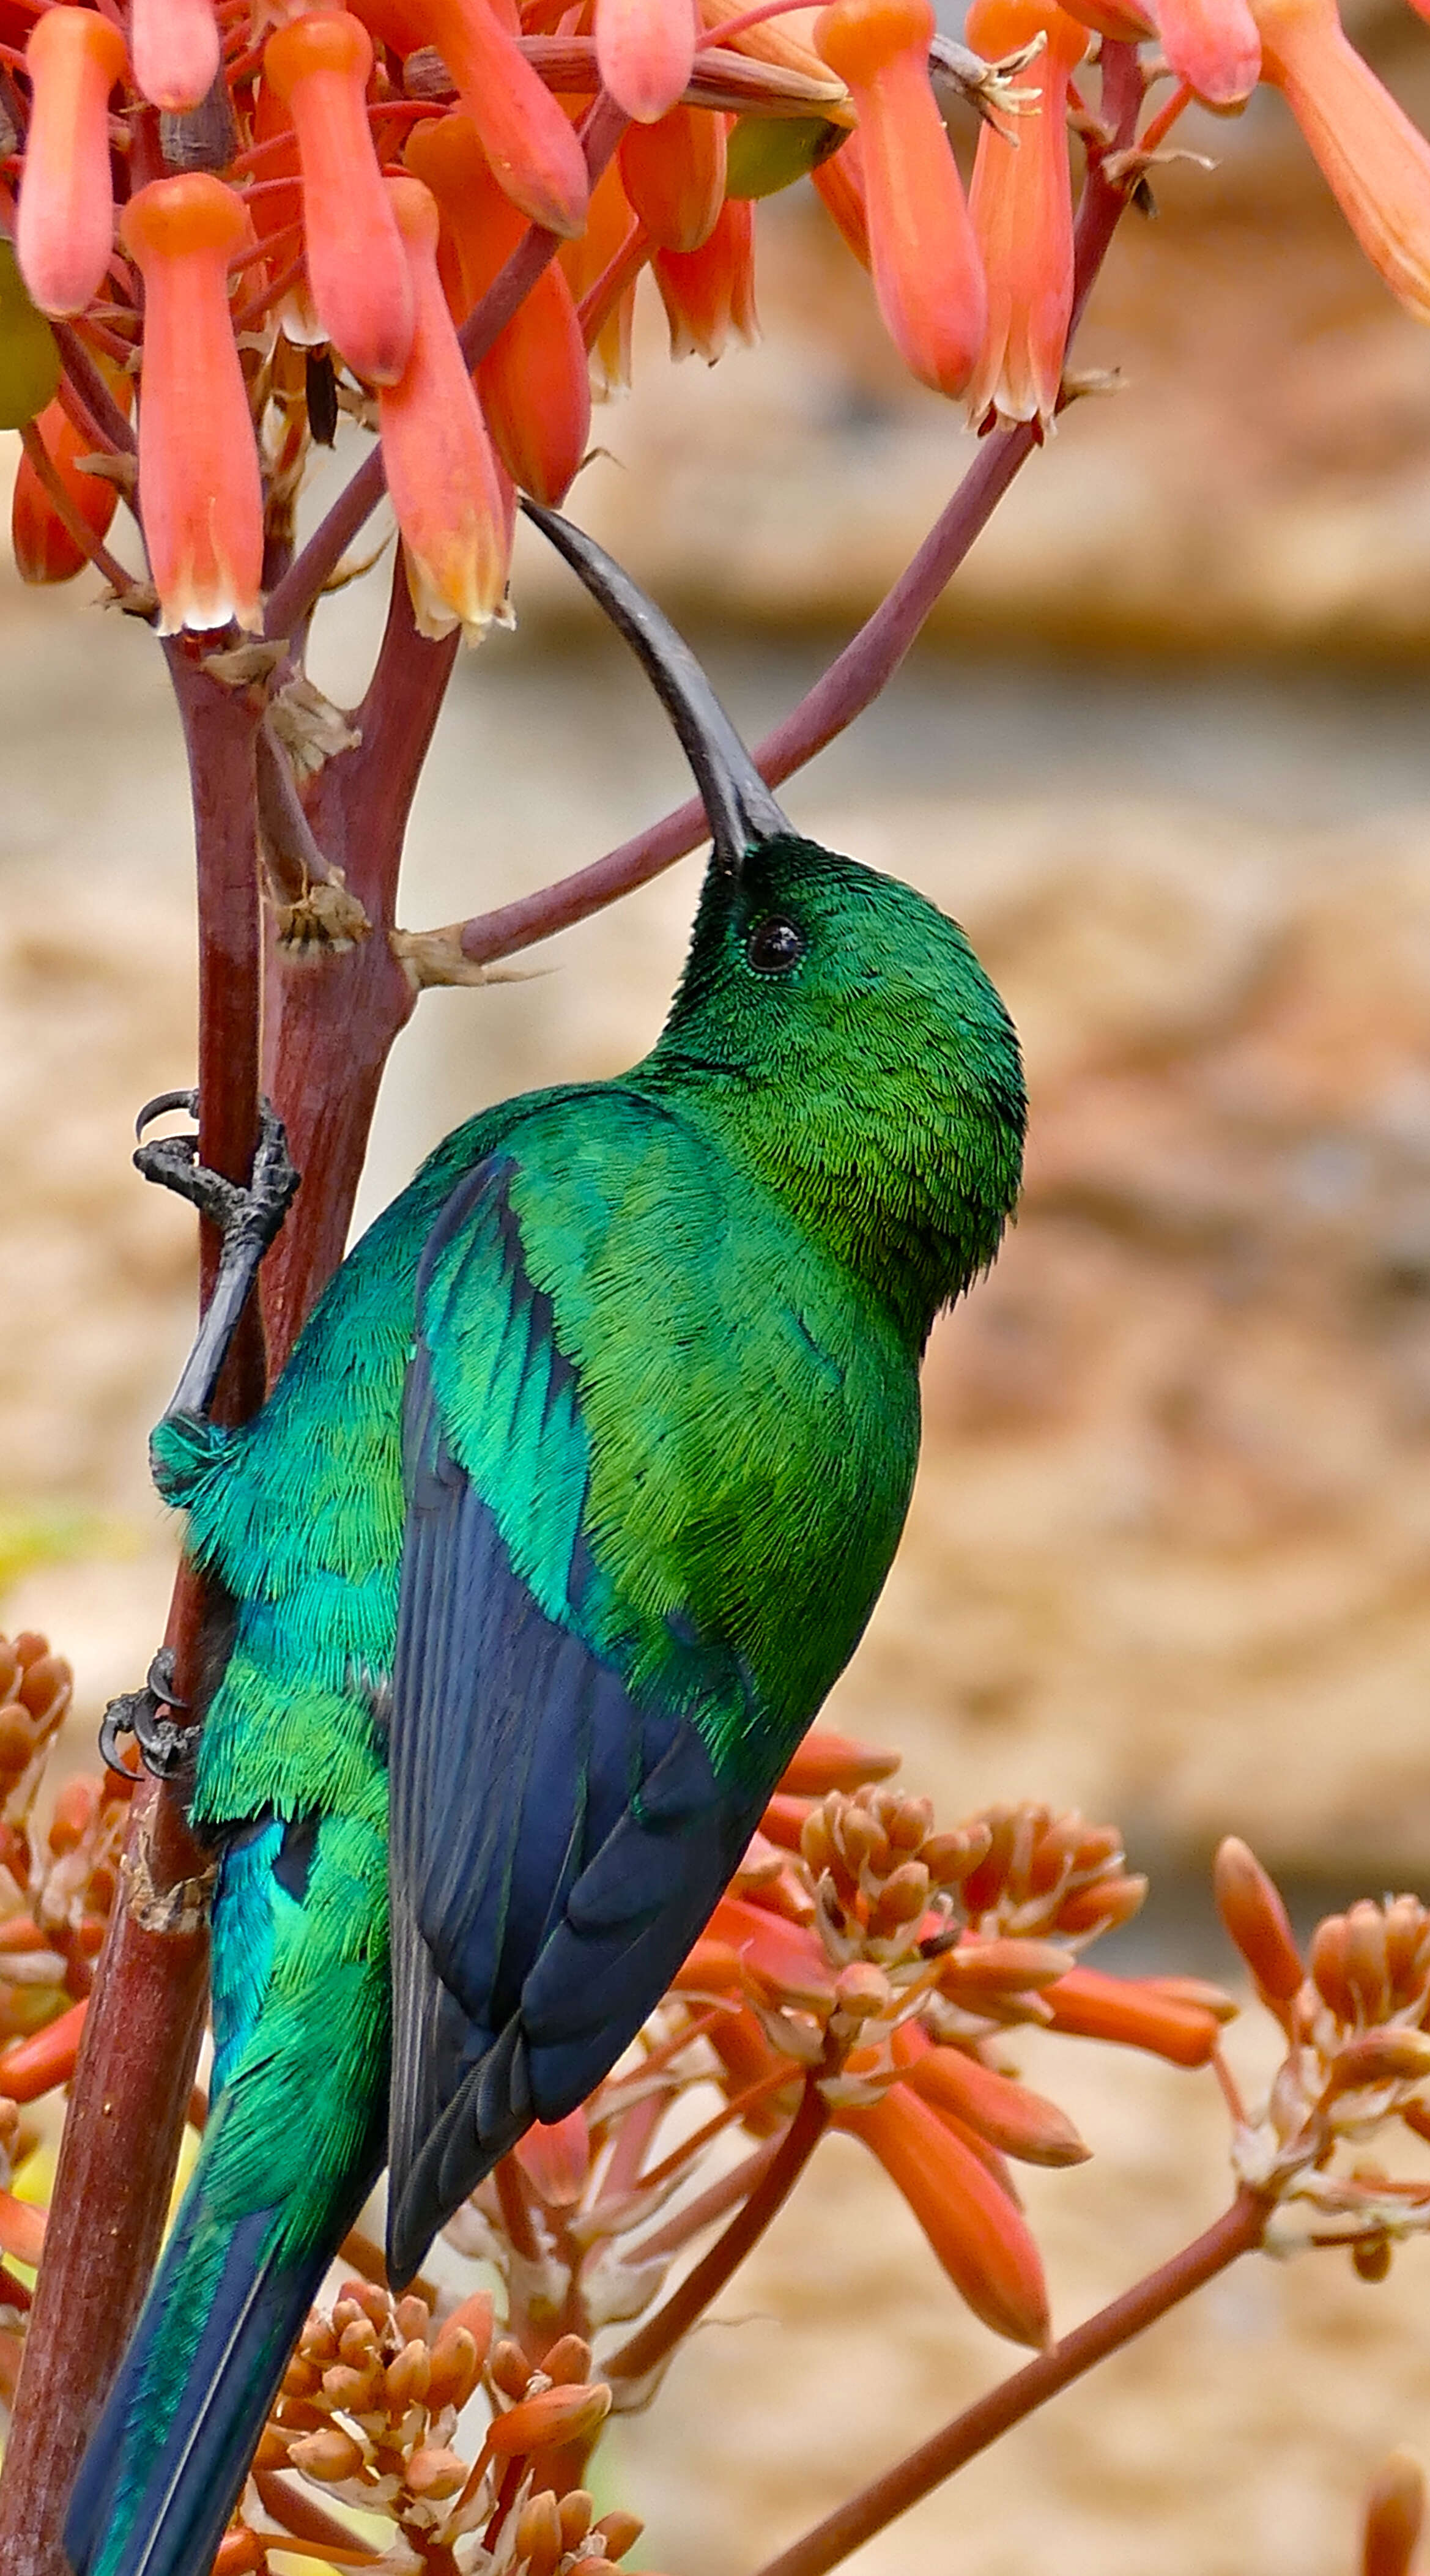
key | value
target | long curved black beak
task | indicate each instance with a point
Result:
(741, 810)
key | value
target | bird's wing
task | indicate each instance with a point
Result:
(558, 1836)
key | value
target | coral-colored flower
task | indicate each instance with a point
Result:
(1213, 46)
(175, 46)
(1018, 2123)
(526, 134)
(1139, 2012)
(199, 487)
(1373, 159)
(65, 229)
(927, 272)
(710, 292)
(441, 474)
(44, 549)
(828, 1761)
(646, 52)
(674, 174)
(840, 182)
(1021, 206)
(533, 383)
(357, 268)
(971, 2224)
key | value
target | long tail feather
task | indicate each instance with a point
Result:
(168, 2461)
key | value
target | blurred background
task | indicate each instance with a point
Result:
(1165, 752)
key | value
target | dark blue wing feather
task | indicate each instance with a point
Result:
(557, 1842)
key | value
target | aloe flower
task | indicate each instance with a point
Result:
(65, 230)
(199, 487)
(1021, 206)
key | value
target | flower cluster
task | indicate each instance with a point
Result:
(1356, 2015)
(367, 2414)
(412, 211)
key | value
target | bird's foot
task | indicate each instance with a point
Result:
(150, 1715)
(249, 1217)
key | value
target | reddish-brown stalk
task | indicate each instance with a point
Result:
(1238, 2231)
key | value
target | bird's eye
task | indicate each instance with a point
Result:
(774, 946)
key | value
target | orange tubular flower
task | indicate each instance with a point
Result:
(1372, 158)
(674, 174)
(710, 292)
(441, 474)
(199, 487)
(533, 384)
(1139, 2012)
(44, 549)
(646, 53)
(175, 46)
(526, 134)
(357, 268)
(65, 230)
(1213, 46)
(840, 182)
(927, 273)
(969, 2221)
(1021, 206)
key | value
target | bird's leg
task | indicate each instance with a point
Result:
(247, 1219)
(163, 1739)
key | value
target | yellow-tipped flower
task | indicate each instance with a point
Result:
(1021, 205)
(175, 45)
(357, 268)
(65, 230)
(533, 384)
(455, 519)
(199, 487)
(927, 273)
(1373, 159)
(710, 292)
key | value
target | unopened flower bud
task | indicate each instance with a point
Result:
(331, 2456)
(408, 2378)
(556, 2415)
(434, 2473)
(539, 2543)
(509, 2370)
(827, 1761)
(620, 2532)
(575, 2510)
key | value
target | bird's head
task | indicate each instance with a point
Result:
(834, 1021)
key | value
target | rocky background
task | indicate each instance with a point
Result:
(1167, 756)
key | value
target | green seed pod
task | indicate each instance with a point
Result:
(29, 356)
(767, 153)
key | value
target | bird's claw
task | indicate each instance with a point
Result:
(164, 1742)
(255, 1212)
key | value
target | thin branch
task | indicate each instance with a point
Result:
(93, 392)
(870, 660)
(658, 2337)
(1238, 2231)
(303, 583)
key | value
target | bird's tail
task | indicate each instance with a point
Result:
(168, 2460)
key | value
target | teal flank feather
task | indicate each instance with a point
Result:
(571, 1504)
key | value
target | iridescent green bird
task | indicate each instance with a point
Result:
(570, 1505)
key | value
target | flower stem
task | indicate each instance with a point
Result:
(1238, 2231)
(658, 2337)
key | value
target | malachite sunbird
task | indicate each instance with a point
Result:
(572, 1501)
